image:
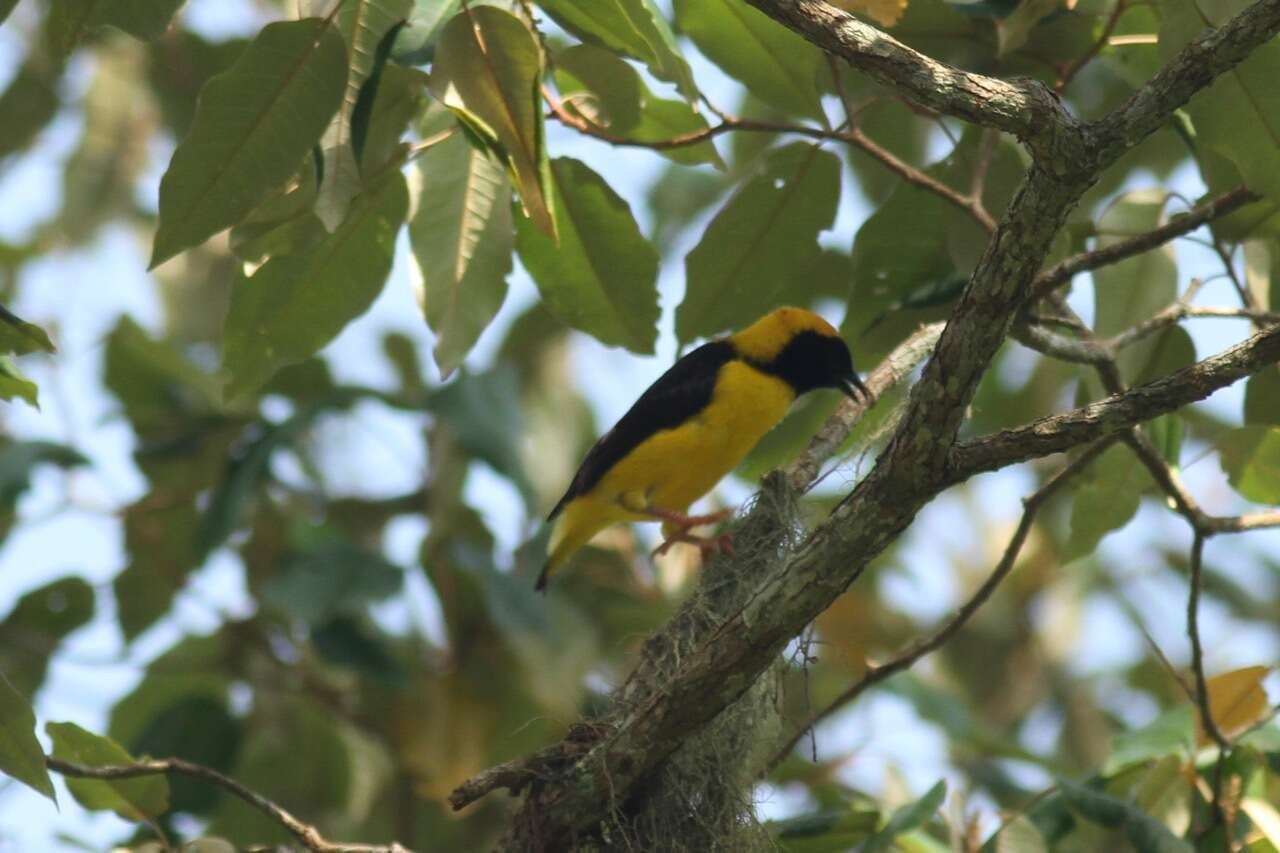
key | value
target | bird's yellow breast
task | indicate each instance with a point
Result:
(673, 468)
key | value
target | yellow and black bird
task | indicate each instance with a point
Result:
(693, 426)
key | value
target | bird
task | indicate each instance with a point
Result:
(694, 425)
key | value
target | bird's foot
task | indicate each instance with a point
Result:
(708, 545)
(682, 522)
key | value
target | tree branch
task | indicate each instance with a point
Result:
(1021, 107)
(308, 836)
(1061, 432)
(1215, 208)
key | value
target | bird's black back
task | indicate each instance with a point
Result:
(679, 394)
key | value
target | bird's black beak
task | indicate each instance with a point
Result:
(853, 388)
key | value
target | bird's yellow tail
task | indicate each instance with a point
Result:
(572, 529)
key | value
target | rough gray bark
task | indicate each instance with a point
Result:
(699, 685)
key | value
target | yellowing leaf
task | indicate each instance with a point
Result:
(1237, 700)
(886, 13)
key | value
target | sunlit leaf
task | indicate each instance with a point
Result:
(757, 241)
(777, 65)
(1251, 458)
(1171, 733)
(1020, 835)
(1238, 114)
(138, 798)
(294, 305)
(1265, 817)
(254, 124)
(364, 25)
(488, 69)
(462, 237)
(635, 28)
(601, 277)
(1237, 700)
(20, 754)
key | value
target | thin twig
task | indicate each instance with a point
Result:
(1088, 56)
(877, 673)
(306, 834)
(1215, 208)
(853, 136)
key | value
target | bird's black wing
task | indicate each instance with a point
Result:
(679, 394)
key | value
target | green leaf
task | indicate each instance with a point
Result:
(253, 125)
(334, 577)
(1105, 499)
(69, 20)
(20, 754)
(6, 6)
(1020, 835)
(15, 385)
(634, 28)
(488, 69)
(601, 277)
(1146, 833)
(135, 799)
(1171, 733)
(754, 245)
(20, 458)
(161, 534)
(20, 337)
(906, 819)
(402, 93)
(1132, 290)
(346, 641)
(37, 625)
(365, 26)
(362, 112)
(827, 831)
(485, 415)
(776, 65)
(29, 103)
(1250, 456)
(1238, 114)
(462, 237)
(1262, 397)
(294, 305)
(608, 92)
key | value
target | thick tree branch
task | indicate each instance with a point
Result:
(1021, 107)
(308, 836)
(1190, 70)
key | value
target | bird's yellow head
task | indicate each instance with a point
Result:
(800, 348)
